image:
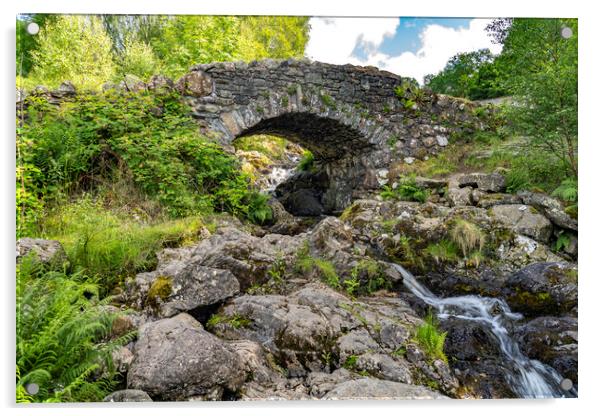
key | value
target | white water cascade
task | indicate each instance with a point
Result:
(528, 378)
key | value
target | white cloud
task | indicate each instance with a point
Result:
(333, 40)
(437, 44)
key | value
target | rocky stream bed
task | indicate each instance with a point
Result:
(246, 312)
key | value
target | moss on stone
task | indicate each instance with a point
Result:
(159, 289)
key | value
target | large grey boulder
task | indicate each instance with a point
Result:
(45, 251)
(459, 196)
(183, 286)
(525, 220)
(368, 388)
(128, 395)
(486, 182)
(550, 207)
(176, 358)
(247, 257)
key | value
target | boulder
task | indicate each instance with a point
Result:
(45, 251)
(550, 207)
(524, 220)
(184, 286)
(486, 182)
(247, 257)
(176, 359)
(195, 84)
(543, 288)
(369, 388)
(303, 202)
(128, 395)
(459, 196)
(553, 341)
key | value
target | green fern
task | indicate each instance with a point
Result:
(63, 333)
(567, 191)
(431, 339)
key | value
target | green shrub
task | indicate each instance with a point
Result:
(78, 145)
(370, 275)
(62, 338)
(258, 210)
(431, 339)
(306, 164)
(407, 190)
(305, 263)
(567, 191)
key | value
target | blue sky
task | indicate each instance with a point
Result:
(408, 46)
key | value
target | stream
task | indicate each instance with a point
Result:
(528, 378)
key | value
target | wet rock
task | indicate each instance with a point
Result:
(45, 251)
(524, 220)
(128, 395)
(368, 388)
(543, 288)
(486, 182)
(550, 207)
(553, 341)
(469, 341)
(303, 202)
(176, 358)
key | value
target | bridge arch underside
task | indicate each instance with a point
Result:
(339, 152)
(328, 139)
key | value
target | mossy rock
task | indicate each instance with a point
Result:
(160, 290)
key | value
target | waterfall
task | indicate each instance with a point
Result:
(528, 378)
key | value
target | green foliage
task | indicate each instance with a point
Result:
(475, 75)
(150, 137)
(350, 362)
(327, 100)
(63, 342)
(138, 59)
(273, 147)
(74, 48)
(278, 37)
(567, 191)
(111, 246)
(306, 164)
(369, 273)
(277, 270)
(352, 286)
(407, 190)
(305, 263)
(257, 208)
(562, 242)
(467, 236)
(444, 251)
(543, 83)
(431, 339)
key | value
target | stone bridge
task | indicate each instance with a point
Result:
(350, 117)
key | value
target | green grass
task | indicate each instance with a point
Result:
(406, 190)
(63, 336)
(111, 246)
(273, 147)
(237, 321)
(443, 251)
(305, 263)
(467, 236)
(431, 339)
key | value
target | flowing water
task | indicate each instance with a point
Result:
(279, 174)
(528, 378)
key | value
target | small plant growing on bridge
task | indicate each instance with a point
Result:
(328, 101)
(307, 162)
(431, 339)
(407, 190)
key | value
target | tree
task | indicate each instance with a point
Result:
(74, 48)
(544, 85)
(27, 43)
(272, 37)
(138, 58)
(189, 40)
(473, 75)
